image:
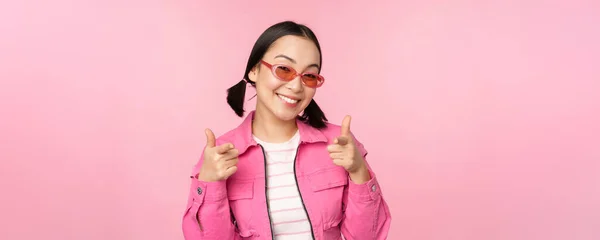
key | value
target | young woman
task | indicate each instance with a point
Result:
(284, 172)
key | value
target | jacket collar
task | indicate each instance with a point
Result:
(242, 135)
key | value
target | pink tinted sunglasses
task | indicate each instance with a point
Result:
(287, 73)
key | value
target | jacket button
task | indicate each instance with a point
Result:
(199, 191)
(373, 188)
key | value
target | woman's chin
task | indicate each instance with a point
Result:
(286, 114)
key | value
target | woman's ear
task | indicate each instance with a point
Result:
(253, 74)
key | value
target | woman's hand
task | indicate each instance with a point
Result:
(344, 153)
(219, 161)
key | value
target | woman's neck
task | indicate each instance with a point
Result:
(269, 128)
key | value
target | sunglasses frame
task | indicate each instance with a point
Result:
(273, 68)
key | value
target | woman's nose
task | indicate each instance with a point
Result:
(295, 85)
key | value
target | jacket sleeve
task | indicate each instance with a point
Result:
(366, 213)
(207, 215)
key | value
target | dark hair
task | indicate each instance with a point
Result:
(236, 94)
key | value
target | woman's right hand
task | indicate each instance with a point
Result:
(219, 161)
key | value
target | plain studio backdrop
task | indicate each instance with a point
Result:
(482, 118)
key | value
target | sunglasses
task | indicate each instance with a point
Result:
(287, 73)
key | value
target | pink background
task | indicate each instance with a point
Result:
(481, 117)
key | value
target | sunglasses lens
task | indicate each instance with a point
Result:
(311, 80)
(285, 73)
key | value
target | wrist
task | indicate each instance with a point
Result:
(204, 178)
(360, 175)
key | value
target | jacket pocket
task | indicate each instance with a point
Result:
(241, 194)
(328, 187)
(327, 179)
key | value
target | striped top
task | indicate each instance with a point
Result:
(288, 217)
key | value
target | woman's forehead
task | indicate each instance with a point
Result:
(294, 49)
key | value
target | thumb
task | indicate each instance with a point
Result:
(346, 126)
(210, 138)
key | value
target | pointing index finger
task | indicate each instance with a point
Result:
(224, 148)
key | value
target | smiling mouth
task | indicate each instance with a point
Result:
(287, 99)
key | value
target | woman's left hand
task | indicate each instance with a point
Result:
(344, 153)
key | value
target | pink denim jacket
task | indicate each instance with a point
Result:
(237, 208)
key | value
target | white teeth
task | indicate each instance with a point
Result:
(287, 99)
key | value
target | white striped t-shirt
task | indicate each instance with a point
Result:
(288, 218)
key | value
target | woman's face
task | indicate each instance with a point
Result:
(286, 99)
